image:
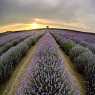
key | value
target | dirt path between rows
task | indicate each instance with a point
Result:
(18, 72)
(80, 82)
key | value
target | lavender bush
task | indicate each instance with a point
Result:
(88, 45)
(86, 63)
(77, 50)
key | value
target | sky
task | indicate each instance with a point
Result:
(27, 14)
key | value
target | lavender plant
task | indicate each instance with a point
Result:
(77, 50)
(86, 61)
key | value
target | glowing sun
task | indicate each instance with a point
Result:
(36, 25)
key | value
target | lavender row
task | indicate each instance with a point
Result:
(10, 59)
(11, 36)
(15, 41)
(83, 59)
(90, 38)
(87, 45)
(86, 40)
(46, 74)
(10, 44)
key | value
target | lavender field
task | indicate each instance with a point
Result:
(47, 62)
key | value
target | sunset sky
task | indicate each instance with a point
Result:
(31, 14)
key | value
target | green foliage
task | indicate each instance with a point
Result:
(76, 51)
(84, 60)
(67, 46)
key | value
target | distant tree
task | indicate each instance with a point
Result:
(47, 27)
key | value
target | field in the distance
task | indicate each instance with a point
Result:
(47, 62)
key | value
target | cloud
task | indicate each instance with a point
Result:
(66, 11)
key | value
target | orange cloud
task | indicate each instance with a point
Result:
(15, 27)
(59, 24)
(42, 23)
